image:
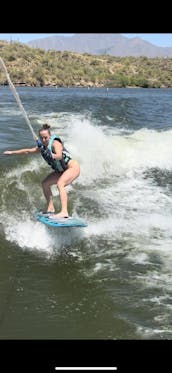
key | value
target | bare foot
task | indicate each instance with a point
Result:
(60, 215)
(50, 208)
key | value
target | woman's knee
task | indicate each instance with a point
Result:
(60, 184)
(45, 183)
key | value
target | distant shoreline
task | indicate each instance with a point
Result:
(86, 87)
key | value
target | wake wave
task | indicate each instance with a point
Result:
(113, 192)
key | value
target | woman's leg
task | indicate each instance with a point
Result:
(46, 186)
(65, 179)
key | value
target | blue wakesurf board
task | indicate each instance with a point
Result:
(48, 219)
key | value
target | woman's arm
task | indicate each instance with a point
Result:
(57, 147)
(22, 151)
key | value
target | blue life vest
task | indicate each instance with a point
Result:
(57, 164)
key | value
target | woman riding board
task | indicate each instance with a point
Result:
(65, 168)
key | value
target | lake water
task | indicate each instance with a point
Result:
(112, 279)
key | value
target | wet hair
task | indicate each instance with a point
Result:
(45, 127)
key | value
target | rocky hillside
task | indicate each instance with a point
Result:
(36, 67)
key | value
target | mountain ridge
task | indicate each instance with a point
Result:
(108, 44)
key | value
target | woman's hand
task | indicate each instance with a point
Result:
(54, 156)
(8, 152)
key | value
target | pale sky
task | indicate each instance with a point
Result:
(162, 40)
